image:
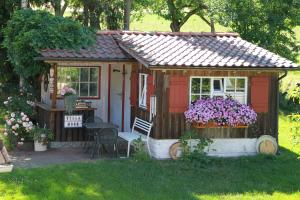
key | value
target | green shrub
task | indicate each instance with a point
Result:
(140, 153)
(193, 146)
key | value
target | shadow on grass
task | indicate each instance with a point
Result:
(131, 179)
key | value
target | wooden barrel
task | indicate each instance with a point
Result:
(266, 144)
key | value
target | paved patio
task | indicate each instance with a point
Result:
(32, 159)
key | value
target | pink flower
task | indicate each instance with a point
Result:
(66, 90)
(8, 122)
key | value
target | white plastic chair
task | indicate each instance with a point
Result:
(141, 125)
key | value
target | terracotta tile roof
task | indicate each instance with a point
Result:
(184, 49)
(106, 48)
(198, 50)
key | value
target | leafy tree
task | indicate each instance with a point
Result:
(59, 6)
(106, 13)
(88, 12)
(6, 9)
(179, 11)
(268, 23)
(28, 31)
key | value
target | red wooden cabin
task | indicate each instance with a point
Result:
(156, 75)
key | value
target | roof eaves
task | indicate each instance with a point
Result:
(133, 54)
(82, 59)
(183, 67)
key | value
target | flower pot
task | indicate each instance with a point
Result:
(39, 146)
(208, 125)
(70, 103)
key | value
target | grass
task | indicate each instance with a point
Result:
(258, 177)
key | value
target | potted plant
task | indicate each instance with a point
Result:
(220, 112)
(70, 98)
(41, 137)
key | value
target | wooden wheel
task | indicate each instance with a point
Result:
(175, 150)
(266, 144)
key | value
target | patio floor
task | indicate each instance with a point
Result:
(32, 159)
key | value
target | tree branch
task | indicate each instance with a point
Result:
(188, 15)
(205, 20)
(64, 7)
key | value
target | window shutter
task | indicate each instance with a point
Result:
(133, 88)
(178, 98)
(260, 94)
(150, 89)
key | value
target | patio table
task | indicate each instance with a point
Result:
(99, 125)
(93, 127)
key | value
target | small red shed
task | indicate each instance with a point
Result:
(155, 76)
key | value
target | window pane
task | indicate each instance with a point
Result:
(72, 74)
(94, 72)
(240, 85)
(61, 75)
(217, 85)
(84, 75)
(205, 85)
(93, 89)
(230, 95)
(194, 97)
(230, 84)
(196, 85)
(240, 98)
(75, 86)
(205, 96)
(84, 89)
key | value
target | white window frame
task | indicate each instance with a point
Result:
(143, 90)
(223, 86)
(87, 82)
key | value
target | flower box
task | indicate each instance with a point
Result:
(215, 125)
(220, 113)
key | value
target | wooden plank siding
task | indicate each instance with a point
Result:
(54, 121)
(172, 125)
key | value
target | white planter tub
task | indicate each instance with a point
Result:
(38, 146)
(6, 168)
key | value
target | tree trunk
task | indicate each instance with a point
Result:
(24, 5)
(175, 26)
(212, 25)
(85, 15)
(127, 11)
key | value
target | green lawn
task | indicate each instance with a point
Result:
(240, 178)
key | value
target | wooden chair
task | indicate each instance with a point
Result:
(138, 125)
(106, 136)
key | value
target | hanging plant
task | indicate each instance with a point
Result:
(70, 98)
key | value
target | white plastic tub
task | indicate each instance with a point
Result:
(38, 146)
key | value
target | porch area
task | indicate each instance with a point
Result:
(55, 156)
